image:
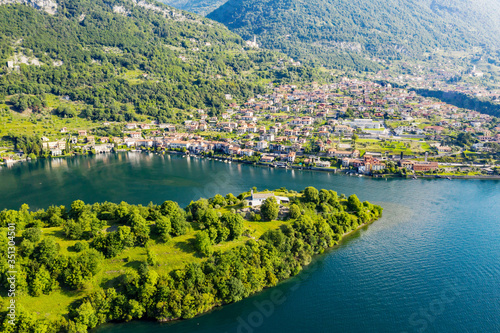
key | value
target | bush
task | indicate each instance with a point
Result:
(81, 246)
(32, 234)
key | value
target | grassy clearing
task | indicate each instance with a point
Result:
(172, 255)
(41, 124)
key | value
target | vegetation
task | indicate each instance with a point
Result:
(202, 7)
(342, 33)
(63, 251)
(123, 61)
(463, 100)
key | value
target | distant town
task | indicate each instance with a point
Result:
(353, 126)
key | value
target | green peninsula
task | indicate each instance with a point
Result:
(85, 265)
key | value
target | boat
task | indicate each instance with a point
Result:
(449, 178)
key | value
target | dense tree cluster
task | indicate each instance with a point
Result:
(28, 144)
(42, 268)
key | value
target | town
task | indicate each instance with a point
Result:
(353, 126)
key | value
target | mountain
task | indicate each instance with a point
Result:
(126, 58)
(347, 32)
(201, 7)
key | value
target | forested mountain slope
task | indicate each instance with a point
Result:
(335, 31)
(124, 57)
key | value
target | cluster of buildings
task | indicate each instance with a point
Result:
(306, 124)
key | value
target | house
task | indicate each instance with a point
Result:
(56, 152)
(64, 130)
(135, 135)
(425, 166)
(291, 157)
(82, 133)
(104, 148)
(131, 126)
(444, 149)
(437, 129)
(364, 124)
(247, 152)
(323, 164)
(61, 144)
(342, 153)
(343, 129)
(407, 164)
(261, 145)
(234, 151)
(267, 158)
(144, 143)
(257, 199)
(267, 137)
(177, 144)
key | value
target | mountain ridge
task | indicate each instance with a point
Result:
(387, 29)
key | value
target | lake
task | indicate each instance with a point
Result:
(430, 264)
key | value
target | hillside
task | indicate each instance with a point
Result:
(122, 59)
(201, 7)
(344, 33)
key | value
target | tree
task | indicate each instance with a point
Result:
(87, 316)
(234, 291)
(177, 217)
(163, 227)
(270, 209)
(33, 234)
(231, 199)
(324, 195)
(46, 251)
(203, 244)
(218, 200)
(151, 258)
(139, 226)
(353, 204)
(294, 211)
(234, 222)
(311, 194)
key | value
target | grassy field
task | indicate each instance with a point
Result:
(172, 255)
(408, 147)
(45, 124)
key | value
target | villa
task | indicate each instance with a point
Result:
(256, 199)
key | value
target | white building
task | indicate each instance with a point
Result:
(364, 124)
(256, 199)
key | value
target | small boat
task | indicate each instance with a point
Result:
(229, 162)
(449, 178)
(414, 177)
(360, 175)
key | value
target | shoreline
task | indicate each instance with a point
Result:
(262, 164)
(217, 307)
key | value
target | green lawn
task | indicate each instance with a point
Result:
(172, 255)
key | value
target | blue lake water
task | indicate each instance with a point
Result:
(431, 264)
